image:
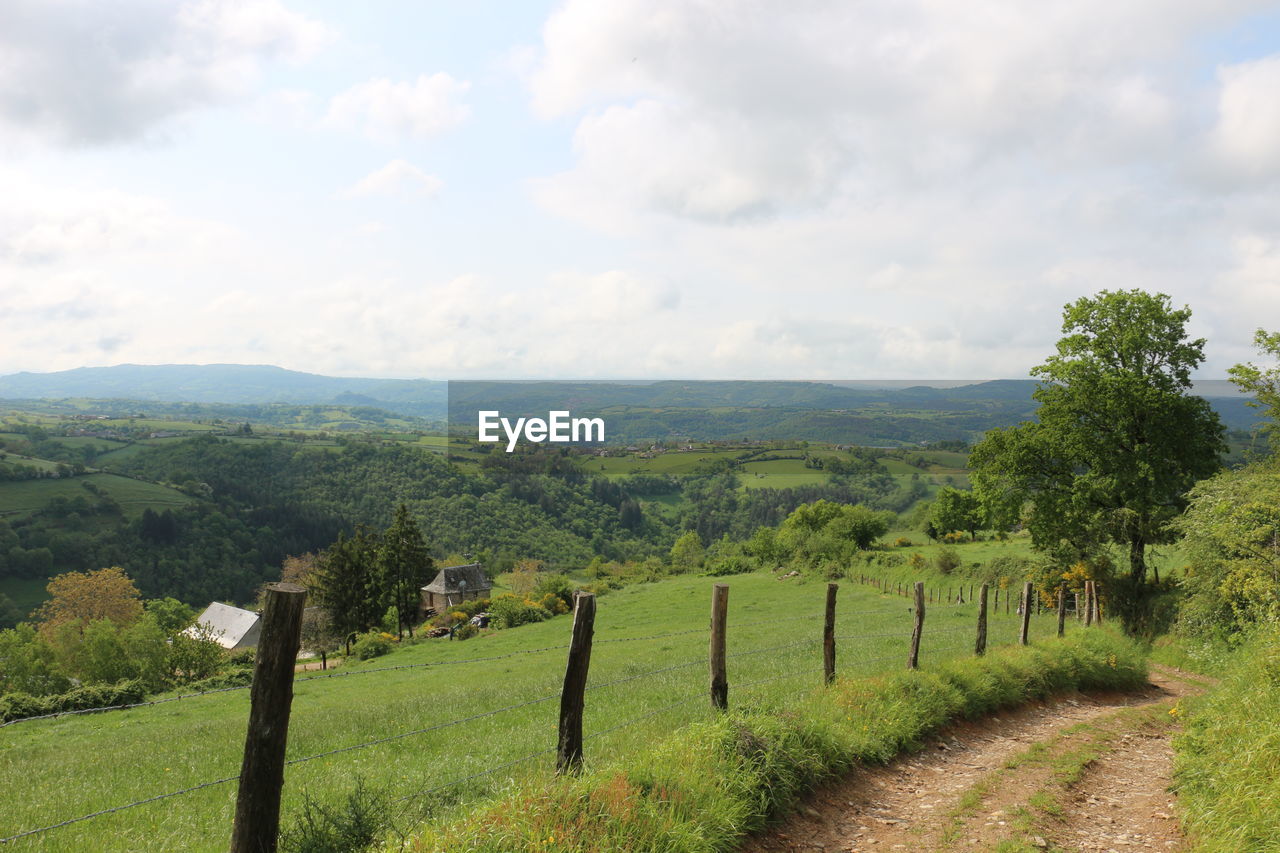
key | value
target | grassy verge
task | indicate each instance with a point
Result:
(1227, 771)
(708, 786)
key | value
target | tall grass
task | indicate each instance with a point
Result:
(706, 787)
(1227, 770)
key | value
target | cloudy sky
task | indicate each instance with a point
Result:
(632, 188)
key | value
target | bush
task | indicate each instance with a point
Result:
(465, 632)
(351, 827)
(371, 645)
(733, 564)
(903, 542)
(947, 560)
(511, 611)
(17, 706)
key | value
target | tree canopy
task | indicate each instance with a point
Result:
(1118, 442)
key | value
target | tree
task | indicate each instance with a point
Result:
(82, 597)
(956, 510)
(347, 583)
(1118, 442)
(1263, 383)
(405, 567)
(687, 553)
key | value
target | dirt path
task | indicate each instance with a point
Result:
(1085, 772)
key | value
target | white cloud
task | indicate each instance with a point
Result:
(386, 110)
(1246, 139)
(82, 72)
(691, 109)
(397, 176)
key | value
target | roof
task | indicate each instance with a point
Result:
(448, 578)
(231, 627)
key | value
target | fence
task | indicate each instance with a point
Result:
(833, 651)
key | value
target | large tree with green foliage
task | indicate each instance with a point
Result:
(955, 510)
(1118, 442)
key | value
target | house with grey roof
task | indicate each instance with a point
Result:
(230, 627)
(454, 585)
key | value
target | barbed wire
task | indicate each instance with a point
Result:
(490, 771)
(627, 678)
(115, 809)
(433, 728)
(125, 706)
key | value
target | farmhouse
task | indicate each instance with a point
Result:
(453, 585)
(230, 627)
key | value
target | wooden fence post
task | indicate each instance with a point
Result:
(257, 821)
(1008, 594)
(1088, 603)
(1026, 612)
(980, 647)
(719, 614)
(569, 748)
(1062, 609)
(914, 661)
(829, 635)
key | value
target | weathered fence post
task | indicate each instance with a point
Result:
(1088, 603)
(914, 661)
(980, 647)
(1061, 609)
(1008, 594)
(1026, 612)
(829, 635)
(719, 613)
(569, 748)
(257, 822)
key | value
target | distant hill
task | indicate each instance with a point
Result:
(708, 409)
(228, 383)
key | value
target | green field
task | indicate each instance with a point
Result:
(73, 766)
(26, 496)
(779, 474)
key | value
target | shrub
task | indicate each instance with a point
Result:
(511, 611)
(947, 560)
(465, 632)
(17, 706)
(733, 564)
(903, 542)
(553, 604)
(350, 827)
(558, 585)
(371, 645)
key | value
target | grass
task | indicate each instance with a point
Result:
(26, 496)
(707, 787)
(1227, 769)
(76, 765)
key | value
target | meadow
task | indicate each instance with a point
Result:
(26, 496)
(481, 711)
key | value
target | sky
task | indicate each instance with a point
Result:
(629, 189)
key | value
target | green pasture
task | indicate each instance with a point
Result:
(779, 474)
(26, 496)
(639, 691)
